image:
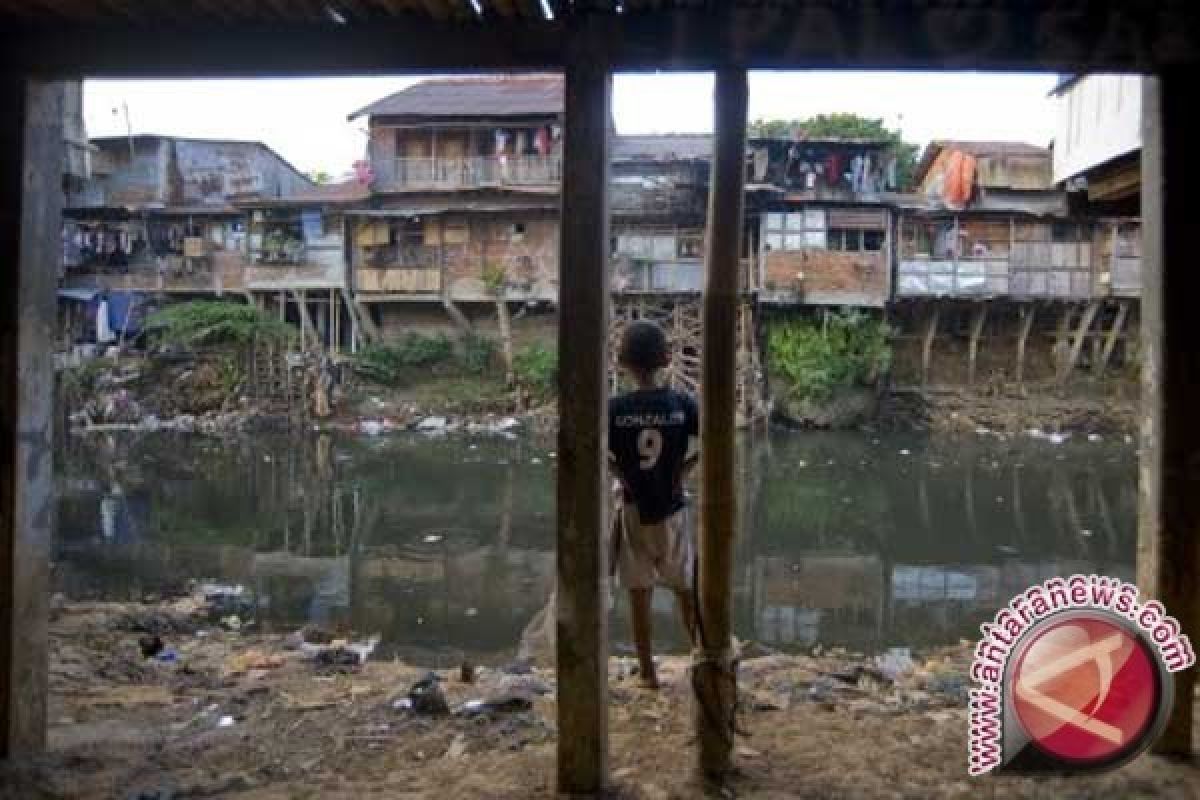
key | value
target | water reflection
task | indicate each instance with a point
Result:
(445, 546)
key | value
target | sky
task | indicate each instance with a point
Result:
(304, 119)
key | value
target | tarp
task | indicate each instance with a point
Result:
(126, 312)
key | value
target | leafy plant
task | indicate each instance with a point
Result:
(494, 278)
(208, 322)
(386, 363)
(813, 358)
(537, 368)
(477, 353)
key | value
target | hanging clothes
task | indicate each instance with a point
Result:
(833, 169)
(541, 141)
(501, 142)
(104, 331)
(761, 162)
(890, 174)
(522, 143)
(960, 180)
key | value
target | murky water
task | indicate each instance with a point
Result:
(445, 545)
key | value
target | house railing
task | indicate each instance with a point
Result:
(458, 173)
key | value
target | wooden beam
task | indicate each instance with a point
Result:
(1168, 553)
(978, 318)
(307, 328)
(931, 327)
(582, 613)
(31, 168)
(1027, 315)
(1081, 333)
(1114, 335)
(1101, 35)
(715, 678)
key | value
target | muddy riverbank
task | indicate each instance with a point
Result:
(175, 700)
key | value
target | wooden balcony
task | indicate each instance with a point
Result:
(409, 174)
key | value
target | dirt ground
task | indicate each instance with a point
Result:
(232, 714)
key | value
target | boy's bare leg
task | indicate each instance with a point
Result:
(687, 614)
(639, 610)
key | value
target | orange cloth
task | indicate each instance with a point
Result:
(959, 180)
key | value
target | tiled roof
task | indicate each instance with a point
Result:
(476, 96)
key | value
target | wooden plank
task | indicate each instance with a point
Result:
(978, 318)
(714, 677)
(1168, 553)
(31, 154)
(1113, 336)
(582, 636)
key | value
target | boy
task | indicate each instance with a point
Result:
(649, 433)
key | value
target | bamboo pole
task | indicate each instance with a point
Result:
(714, 675)
(582, 639)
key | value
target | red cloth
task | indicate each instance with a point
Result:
(541, 141)
(833, 169)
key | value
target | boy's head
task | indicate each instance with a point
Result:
(644, 347)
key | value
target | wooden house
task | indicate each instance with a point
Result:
(822, 232)
(464, 178)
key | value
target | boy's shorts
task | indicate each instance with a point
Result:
(660, 554)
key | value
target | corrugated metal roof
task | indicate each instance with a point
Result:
(474, 96)
(351, 191)
(662, 147)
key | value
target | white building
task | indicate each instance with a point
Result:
(1099, 135)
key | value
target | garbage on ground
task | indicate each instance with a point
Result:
(225, 721)
(151, 645)
(426, 696)
(340, 652)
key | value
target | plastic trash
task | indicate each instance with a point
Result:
(225, 721)
(426, 696)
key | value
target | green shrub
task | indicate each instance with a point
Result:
(418, 350)
(813, 358)
(477, 353)
(210, 322)
(537, 368)
(386, 363)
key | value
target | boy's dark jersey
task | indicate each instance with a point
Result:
(648, 432)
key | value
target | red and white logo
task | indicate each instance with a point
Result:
(1085, 689)
(1074, 674)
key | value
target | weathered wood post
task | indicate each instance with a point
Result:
(31, 169)
(582, 621)
(1168, 557)
(715, 681)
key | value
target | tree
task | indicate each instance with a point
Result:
(320, 177)
(843, 126)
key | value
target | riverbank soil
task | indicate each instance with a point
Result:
(220, 711)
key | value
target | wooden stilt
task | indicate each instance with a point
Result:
(1062, 342)
(1027, 314)
(1114, 335)
(1169, 512)
(1081, 334)
(931, 327)
(582, 635)
(978, 318)
(715, 680)
(31, 169)
(307, 329)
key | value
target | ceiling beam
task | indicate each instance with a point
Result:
(895, 35)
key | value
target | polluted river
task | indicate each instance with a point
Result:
(444, 545)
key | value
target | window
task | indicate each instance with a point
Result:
(795, 230)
